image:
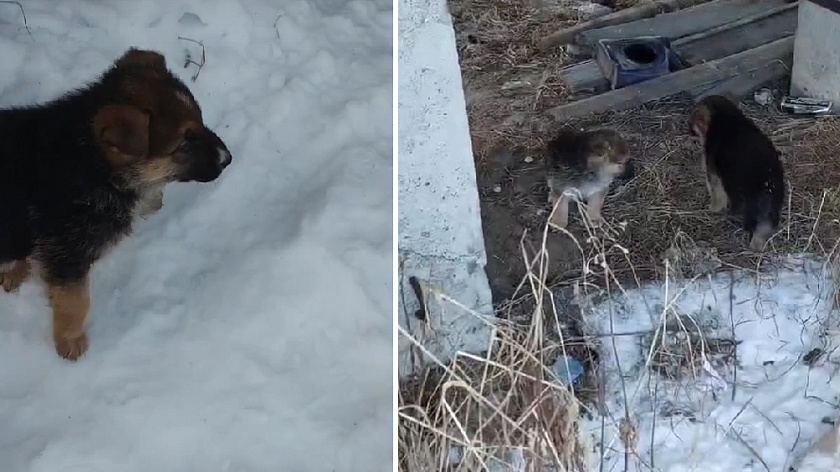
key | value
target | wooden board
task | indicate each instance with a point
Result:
(683, 22)
(732, 41)
(585, 78)
(726, 76)
(626, 15)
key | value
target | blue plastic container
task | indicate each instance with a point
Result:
(630, 61)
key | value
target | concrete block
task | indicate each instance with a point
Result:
(440, 236)
(816, 52)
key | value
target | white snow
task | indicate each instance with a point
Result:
(780, 402)
(247, 326)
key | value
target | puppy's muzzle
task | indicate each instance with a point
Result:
(629, 172)
(224, 157)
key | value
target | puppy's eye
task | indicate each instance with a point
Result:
(190, 135)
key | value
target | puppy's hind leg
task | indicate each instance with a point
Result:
(717, 194)
(560, 214)
(553, 196)
(593, 207)
(14, 274)
(762, 233)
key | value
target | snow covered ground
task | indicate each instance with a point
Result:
(693, 423)
(247, 326)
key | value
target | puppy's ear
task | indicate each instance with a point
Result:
(141, 57)
(124, 131)
(698, 124)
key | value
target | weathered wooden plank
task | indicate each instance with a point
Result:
(683, 22)
(586, 78)
(740, 86)
(645, 10)
(734, 40)
(763, 63)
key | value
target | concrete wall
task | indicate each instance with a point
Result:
(440, 237)
(816, 52)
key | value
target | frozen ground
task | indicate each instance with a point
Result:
(247, 326)
(693, 423)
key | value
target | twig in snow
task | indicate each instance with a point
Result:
(25, 23)
(735, 341)
(749, 448)
(602, 399)
(738, 415)
(816, 222)
(627, 432)
(653, 425)
(277, 31)
(764, 415)
(795, 441)
(189, 60)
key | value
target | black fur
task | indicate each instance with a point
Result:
(747, 163)
(61, 201)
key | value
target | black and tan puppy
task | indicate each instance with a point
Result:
(742, 167)
(75, 172)
(581, 165)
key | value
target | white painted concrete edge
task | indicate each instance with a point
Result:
(440, 236)
(816, 55)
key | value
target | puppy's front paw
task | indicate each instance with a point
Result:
(717, 206)
(71, 347)
(14, 277)
(11, 281)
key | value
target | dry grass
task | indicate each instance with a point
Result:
(509, 83)
(667, 201)
(501, 410)
(504, 411)
(505, 76)
(504, 406)
(508, 80)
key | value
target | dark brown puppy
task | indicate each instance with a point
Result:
(742, 167)
(581, 165)
(75, 172)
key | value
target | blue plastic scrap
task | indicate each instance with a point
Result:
(567, 370)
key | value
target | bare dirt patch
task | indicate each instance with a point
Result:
(663, 211)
